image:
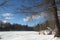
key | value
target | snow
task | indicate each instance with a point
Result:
(25, 35)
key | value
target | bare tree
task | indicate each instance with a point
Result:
(56, 18)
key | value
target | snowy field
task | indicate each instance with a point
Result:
(24, 35)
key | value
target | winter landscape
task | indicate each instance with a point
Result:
(29, 19)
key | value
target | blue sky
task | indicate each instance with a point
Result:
(9, 13)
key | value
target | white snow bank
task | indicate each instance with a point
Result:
(25, 35)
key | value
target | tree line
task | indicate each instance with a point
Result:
(18, 27)
(14, 27)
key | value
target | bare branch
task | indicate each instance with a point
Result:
(5, 1)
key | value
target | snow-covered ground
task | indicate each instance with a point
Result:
(24, 35)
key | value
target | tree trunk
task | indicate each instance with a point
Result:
(56, 18)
